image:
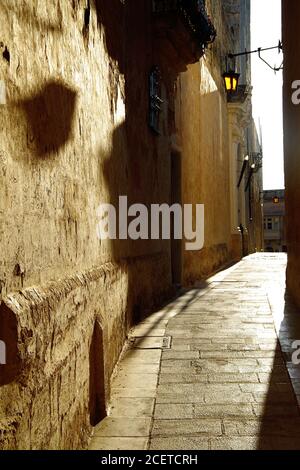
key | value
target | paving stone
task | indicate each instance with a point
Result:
(138, 368)
(142, 357)
(126, 392)
(182, 378)
(265, 387)
(132, 407)
(118, 443)
(123, 427)
(147, 330)
(172, 354)
(148, 342)
(180, 398)
(181, 347)
(199, 388)
(136, 381)
(179, 443)
(237, 354)
(232, 443)
(223, 410)
(176, 365)
(270, 427)
(193, 427)
(173, 411)
(228, 398)
(224, 366)
(224, 378)
(183, 342)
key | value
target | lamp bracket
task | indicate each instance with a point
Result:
(279, 47)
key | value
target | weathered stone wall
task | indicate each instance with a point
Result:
(74, 134)
(69, 335)
(291, 72)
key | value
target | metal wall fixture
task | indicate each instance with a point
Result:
(193, 14)
(245, 164)
(256, 164)
(231, 77)
(155, 100)
(251, 172)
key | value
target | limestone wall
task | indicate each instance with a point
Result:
(74, 134)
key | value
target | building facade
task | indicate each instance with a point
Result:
(218, 144)
(274, 221)
(102, 99)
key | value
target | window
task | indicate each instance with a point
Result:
(270, 223)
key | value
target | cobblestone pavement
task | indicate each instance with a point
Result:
(226, 382)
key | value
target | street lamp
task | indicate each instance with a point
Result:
(231, 81)
(231, 78)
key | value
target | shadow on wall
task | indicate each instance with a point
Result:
(124, 168)
(115, 171)
(50, 116)
(111, 16)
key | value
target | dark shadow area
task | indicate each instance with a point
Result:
(280, 426)
(50, 117)
(111, 15)
(132, 163)
(9, 336)
(97, 408)
(168, 307)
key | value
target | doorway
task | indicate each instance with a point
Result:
(97, 406)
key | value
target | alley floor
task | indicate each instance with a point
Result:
(213, 369)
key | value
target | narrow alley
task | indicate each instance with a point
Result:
(149, 226)
(213, 369)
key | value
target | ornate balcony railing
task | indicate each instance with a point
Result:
(257, 159)
(193, 14)
(240, 96)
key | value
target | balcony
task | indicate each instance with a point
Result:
(242, 93)
(186, 25)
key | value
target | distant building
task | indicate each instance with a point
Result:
(274, 221)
